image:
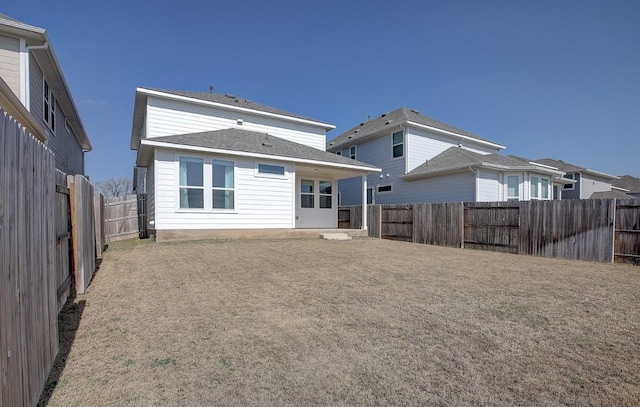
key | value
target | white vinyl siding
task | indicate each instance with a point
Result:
(10, 63)
(489, 186)
(260, 202)
(591, 183)
(424, 145)
(169, 117)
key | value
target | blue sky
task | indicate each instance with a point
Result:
(558, 79)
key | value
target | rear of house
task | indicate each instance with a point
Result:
(216, 162)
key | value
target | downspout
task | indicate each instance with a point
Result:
(27, 96)
(477, 174)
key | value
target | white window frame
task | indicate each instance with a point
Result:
(390, 191)
(207, 187)
(194, 187)
(538, 184)
(320, 194)
(270, 175)
(231, 189)
(506, 187)
(397, 144)
(353, 152)
(571, 186)
(48, 106)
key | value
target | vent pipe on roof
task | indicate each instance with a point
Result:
(210, 88)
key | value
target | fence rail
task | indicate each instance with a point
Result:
(603, 230)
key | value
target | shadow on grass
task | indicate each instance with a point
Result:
(68, 323)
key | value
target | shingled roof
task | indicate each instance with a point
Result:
(568, 168)
(232, 100)
(457, 158)
(390, 120)
(627, 182)
(234, 140)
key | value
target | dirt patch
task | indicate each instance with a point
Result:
(362, 322)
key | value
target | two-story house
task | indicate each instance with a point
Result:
(30, 70)
(426, 160)
(587, 183)
(629, 184)
(216, 165)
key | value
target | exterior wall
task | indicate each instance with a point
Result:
(575, 192)
(10, 62)
(447, 188)
(489, 186)
(261, 203)
(592, 183)
(151, 197)
(69, 154)
(169, 117)
(424, 145)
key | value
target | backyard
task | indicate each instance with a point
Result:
(361, 322)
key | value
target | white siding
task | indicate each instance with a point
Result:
(260, 202)
(65, 145)
(424, 145)
(489, 186)
(150, 198)
(169, 117)
(10, 62)
(592, 183)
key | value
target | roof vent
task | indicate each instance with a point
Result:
(230, 96)
(350, 136)
(383, 115)
(415, 111)
(388, 121)
(361, 124)
(331, 143)
(357, 130)
(266, 143)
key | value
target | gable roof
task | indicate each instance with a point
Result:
(567, 168)
(459, 159)
(392, 120)
(250, 143)
(632, 184)
(46, 58)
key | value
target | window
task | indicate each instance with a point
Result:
(534, 187)
(352, 152)
(369, 196)
(191, 182)
(513, 187)
(268, 169)
(398, 144)
(540, 188)
(306, 193)
(49, 107)
(223, 184)
(570, 187)
(384, 189)
(324, 188)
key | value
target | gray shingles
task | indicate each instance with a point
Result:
(232, 100)
(627, 182)
(392, 120)
(611, 194)
(456, 157)
(257, 143)
(561, 165)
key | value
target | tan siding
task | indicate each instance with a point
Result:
(10, 62)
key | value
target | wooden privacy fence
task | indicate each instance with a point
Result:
(592, 230)
(48, 243)
(122, 218)
(28, 278)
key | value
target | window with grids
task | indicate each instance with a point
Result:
(191, 182)
(222, 184)
(352, 152)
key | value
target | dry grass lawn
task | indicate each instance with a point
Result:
(363, 322)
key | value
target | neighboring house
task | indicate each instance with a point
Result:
(426, 160)
(210, 162)
(630, 185)
(30, 70)
(586, 182)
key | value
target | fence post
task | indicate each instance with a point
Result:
(462, 209)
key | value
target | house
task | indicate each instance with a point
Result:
(630, 185)
(588, 183)
(31, 75)
(218, 165)
(426, 160)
